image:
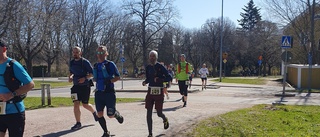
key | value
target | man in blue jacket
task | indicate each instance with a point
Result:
(156, 74)
(105, 73)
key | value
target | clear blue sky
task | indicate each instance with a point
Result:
(194, 13)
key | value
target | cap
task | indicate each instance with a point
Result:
(182, 55)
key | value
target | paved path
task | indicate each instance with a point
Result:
(54, 122)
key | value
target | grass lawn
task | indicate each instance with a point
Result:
(263, 121)
(255, 81)
(35, 102)
(53, 84)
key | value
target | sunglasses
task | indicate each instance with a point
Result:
(100, 53)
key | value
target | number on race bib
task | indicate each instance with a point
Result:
(155, 91)
(74, 96)
(3, 108)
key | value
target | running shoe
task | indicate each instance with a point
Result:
(106, 134)
(76, 126)
(185, 104)
(150, 135)
(120, 119)
(166, 123)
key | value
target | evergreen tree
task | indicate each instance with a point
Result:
(165, 48)
(250, 17)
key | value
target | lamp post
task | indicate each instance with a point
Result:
(220, 70)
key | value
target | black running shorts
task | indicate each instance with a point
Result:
(14, 123)
(83, 93)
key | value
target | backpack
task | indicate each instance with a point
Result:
(107, 66)
(11, 82)
(187, 67)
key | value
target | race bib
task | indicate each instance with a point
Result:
(187, 82)
(3, 108)
(155, 91)
(74, 96)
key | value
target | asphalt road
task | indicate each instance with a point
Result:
(54, 122)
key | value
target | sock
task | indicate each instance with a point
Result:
(103, 124)
(149, 120)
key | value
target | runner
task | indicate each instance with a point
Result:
(156, 74)
(105, 74)
(203, 75)
(182, 77)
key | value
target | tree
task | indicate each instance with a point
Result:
(165, 48)
(250, 17)
(153, 15)
(28, 31)
(55, 15)
(297, 18)
(86, 19)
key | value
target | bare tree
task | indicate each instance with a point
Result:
(132, 49)
(86, 19)
(55, 14)
(28, 31)
(298, 19)
(153, 15)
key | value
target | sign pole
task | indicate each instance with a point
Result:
(121, 59)
(224, 73)
(284, 76)
(286, 42)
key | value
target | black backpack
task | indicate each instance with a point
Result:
(11, 82)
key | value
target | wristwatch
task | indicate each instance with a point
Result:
(14, 93)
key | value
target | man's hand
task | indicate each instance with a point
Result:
(6, 96)
(70, 78)
(143, 83)
(81, 80)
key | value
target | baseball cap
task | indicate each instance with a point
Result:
(182, 55)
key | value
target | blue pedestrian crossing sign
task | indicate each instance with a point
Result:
(122, 59)
(259, 62)
(286, 42)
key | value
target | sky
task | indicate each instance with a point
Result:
(194, 13)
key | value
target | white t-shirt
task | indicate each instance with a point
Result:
(203, 72)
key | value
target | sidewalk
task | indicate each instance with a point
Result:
(53, 122)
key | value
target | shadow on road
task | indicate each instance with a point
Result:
(64, 132)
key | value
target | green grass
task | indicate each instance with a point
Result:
(263, 121)
(255, 81)
(53, 84)
(35, 102)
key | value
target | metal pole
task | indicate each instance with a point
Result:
(122, 75)
(284, 76)
(122, 48)
(221, 40)
(310, 69)
(224, 72)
